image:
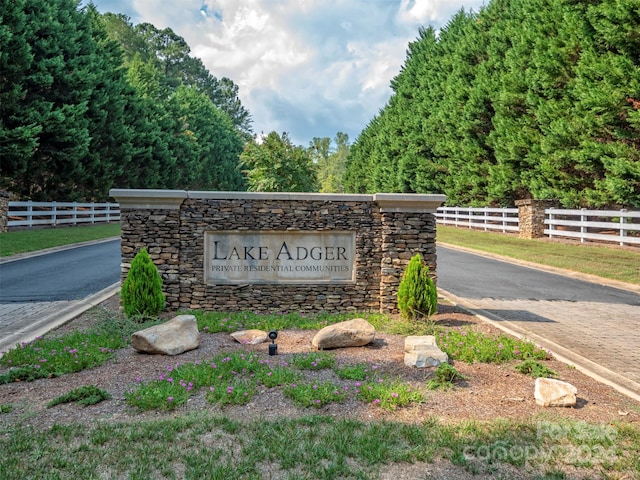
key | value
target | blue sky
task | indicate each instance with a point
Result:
(307, 67)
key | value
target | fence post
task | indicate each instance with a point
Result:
(5, 198)
(551, 217)
(504, 221)
(486, 217)
(75, 213)
(53, 213)
(583, 227)
(623, 232)
(531, 217)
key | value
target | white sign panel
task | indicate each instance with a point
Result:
(239, 257)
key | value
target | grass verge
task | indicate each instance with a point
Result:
(592, 259)
(23, 241)
(73, 352)
(206, 445)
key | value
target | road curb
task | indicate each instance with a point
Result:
(599, 373)
(58, 318)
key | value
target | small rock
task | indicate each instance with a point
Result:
(178, 335)
(352, 333)
(554, 393)
(421, 351)
(250, 337)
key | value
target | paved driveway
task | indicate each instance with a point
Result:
(593, 326)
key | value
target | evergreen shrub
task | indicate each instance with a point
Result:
(141, 292)
(417, 293)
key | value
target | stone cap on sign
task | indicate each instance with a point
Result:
(321, 197)
(148, 199)
(408, 202)
(172, 199)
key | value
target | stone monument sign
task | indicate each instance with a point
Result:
(278, 251)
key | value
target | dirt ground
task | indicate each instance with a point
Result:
(490, 390)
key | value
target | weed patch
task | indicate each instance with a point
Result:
(315, 395)
(444, 377)
(535, 369)
(87, 395)
(389, 394)
(313, 360)
(470, 346)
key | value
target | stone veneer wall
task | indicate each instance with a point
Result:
(389, 230)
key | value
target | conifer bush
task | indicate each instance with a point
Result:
(141, 292)
(417, 294)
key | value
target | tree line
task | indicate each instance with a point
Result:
(524, 99)
(91, 101)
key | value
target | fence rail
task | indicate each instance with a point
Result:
(30, 214)
(485, 218)
(619, 226)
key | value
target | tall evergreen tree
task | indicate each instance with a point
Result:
(18, 136)
(56, 90)
(168, 54)
(526, 99)
(215, 145)
(110, 149)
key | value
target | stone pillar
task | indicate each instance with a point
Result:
(531, 217)
(408, 227)
(5, 197)
(151, 219)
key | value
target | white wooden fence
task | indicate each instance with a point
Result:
(29, 214)
(619, 226)
(485, 218)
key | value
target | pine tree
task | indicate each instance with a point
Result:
(49, 118)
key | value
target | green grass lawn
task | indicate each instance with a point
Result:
(31, 240)
(593, 259)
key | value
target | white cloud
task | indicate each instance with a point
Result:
(308, 67)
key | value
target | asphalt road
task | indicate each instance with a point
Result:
(474, 277)
(71, 274)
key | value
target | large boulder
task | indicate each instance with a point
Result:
(178, 335)
(352, 333)
(249, 337)
(421, 351)
(554, 393)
